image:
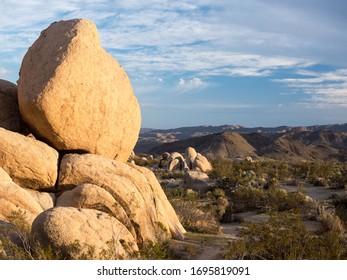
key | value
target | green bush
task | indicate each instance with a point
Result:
(17, 244)
(249, 199)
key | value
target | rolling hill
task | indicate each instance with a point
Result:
(281, 143)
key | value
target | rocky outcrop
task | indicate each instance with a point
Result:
(30, 163)
(190, 156)
(75, 98)
(176, 162)
(201, 163)
(75, 95)
(9, 112)
(83, 233)
(136, 190)
(191, 161)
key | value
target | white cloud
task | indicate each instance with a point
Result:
(164, 35)
(192, 84)
(201, 38)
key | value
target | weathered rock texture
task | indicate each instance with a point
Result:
(75, 95)
(44, 199)
(9, 112)
(176, 162)
(93, 197)
(135, 189)
(30, 163)
(201, 163)
(190, 155)
(14, 199)
(62, 227)
(4, 177)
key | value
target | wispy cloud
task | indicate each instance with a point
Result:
(198, 39)
(206, 37)
(3, 71)
(324, 89)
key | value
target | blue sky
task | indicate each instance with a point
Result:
(208, 62)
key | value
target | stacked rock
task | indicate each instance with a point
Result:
(72, 180)
(191, 161)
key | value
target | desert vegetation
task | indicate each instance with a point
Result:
(293, 225)
(297, 225)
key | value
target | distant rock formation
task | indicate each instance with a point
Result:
(191, 161)
(72, 182)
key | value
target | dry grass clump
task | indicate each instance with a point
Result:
(194, 219)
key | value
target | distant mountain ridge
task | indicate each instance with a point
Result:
(260, 140)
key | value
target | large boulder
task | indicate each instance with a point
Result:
(135, 188)
(9, 112)
(190, 156)
(93, 197)
(176, 162)
(201, 163)
(197, 181)
(75, 95)
(29, 162)
(83, 233)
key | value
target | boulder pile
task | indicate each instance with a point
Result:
(65, 139)
(191, 161)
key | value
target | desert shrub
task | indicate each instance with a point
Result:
(222, 167)
(191, 195)
(194, 219)
(281, 200)
(247, 199)
(155, 251)
(146, 161)
(340, 204)
(181, 193)
(175, 174)
(339, 177)
(326, 173)
(215, 194)
(16, 242)
(330, 222)
(285, 237)
(149, 250)
(271, 183)
(275, 199)
(173, 193)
